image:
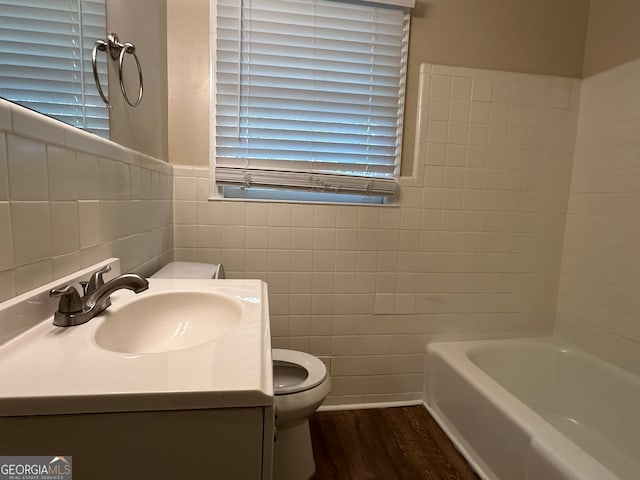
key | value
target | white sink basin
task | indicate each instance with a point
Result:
(168, 321)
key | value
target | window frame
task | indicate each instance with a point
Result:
(217, 192)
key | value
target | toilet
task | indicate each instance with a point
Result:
(300, 384)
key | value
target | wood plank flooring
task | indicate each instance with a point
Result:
(402, 443)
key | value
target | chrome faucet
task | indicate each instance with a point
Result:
(75, 310)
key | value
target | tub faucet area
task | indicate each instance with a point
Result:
(75, 310)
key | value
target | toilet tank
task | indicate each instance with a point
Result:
(190, 270)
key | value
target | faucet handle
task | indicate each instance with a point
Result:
(96, 280)
(70, 301)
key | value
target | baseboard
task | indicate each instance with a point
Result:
(364, 406)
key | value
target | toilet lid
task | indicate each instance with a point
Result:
(295, 371)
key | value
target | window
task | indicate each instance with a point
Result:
(308, 99)
(45, 59)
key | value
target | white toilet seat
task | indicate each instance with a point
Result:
(316, 371)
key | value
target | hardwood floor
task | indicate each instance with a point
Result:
(402, 443)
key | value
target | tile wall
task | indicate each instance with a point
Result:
(69, 199)
(599, 297)
(473, 248)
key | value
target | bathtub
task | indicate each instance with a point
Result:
(536, 409)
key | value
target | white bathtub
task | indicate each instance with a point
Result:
(535, 409)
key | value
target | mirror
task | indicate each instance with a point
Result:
(45, 59)
(61, 35)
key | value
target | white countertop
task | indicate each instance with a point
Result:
(54, 370)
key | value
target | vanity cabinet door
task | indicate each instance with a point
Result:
(167, 445)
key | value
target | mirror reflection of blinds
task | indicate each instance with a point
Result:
(45, 59)
(309, 95)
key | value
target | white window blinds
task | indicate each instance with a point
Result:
(45, 59)
(309, 94)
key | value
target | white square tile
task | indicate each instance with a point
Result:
(279, 215)
(519, 116)
(28, 177)
(123, 182)
(324, 239)
(325, 216)
(436, 154)
(478, 135)
(482, 90)
(5, 115)
(405, 303)
(476, 155)
(31, 231)
(346, 239)
(461, 88)
(65, 233)
(4, 171)
(437, 131)
(279, 237)
(185, 188)
(457, 134)
(368, 217)
(456, 155)
(498, 136)
(302, 216)
(499, 114)
(501, 92)
(108, 179)
(454, 177)
(302, 261)
(6, 237)
(7, 283)
(560, 97)
(135, 182)
(480, 112)
(301, 238)
(439, 108)
(385, 303)
(66, 264)
(31, 276)
(88, 177)
(90, 223)
(257, 214)
(460, 111)
(63, 173)
(256, 260)
(146, 188)
(440, 86)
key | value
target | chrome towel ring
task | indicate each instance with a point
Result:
(117, 51)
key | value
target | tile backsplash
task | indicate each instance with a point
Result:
(599, 297)
(472, 250)
(69, 199)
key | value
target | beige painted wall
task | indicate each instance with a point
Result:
(612, 37)
(189, 80)
(542, 36)
(143, 128)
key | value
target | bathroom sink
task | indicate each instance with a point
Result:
(168, 321)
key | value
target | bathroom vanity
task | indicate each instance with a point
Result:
(150, 388)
